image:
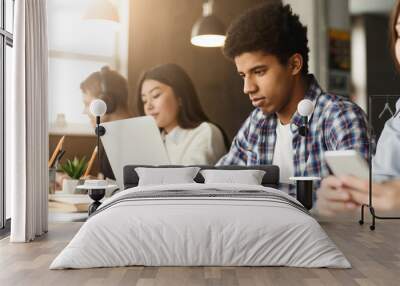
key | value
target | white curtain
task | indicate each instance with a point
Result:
(26, 123)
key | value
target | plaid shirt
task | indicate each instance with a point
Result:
(336, 124)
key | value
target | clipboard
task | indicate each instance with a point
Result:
(133, 141)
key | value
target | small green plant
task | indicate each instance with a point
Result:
(74, 168)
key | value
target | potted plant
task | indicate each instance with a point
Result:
(74, 169)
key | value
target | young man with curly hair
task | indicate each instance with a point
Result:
(268, 44)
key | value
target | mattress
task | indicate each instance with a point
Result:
(201, 225)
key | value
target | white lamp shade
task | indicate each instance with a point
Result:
(98, 107)
(208, 41)
(305, 107)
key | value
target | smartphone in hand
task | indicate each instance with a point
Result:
(347, 163)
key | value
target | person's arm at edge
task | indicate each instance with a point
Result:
(347, 128)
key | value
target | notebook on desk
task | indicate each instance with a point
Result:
(133, 141)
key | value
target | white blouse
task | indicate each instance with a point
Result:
(203, 145)
(386, 163)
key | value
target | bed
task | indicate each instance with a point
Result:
(201, 224)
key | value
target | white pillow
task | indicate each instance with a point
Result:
(248, 177)
(164, 176)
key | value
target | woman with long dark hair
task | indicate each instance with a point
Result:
(167, 93)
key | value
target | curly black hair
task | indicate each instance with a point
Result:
(272, 28)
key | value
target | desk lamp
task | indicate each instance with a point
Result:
(98, 108)
(97, 188)
(304, 185)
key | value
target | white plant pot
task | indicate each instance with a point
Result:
(69, 185)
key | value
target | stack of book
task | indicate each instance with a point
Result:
(69, 202)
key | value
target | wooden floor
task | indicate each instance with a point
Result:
(375, 257)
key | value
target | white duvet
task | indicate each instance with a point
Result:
(190, 231)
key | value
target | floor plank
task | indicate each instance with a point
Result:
(375, 257)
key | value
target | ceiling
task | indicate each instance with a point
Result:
(370, 6)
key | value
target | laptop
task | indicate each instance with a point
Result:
(133, 141)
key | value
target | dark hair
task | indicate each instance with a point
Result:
(271, 28)
(190, 114)
(393, 33)
(109, 86)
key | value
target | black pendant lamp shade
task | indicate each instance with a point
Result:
(208, 31)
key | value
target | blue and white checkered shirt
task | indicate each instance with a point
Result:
(336, 124)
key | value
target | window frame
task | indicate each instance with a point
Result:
(6, 39)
